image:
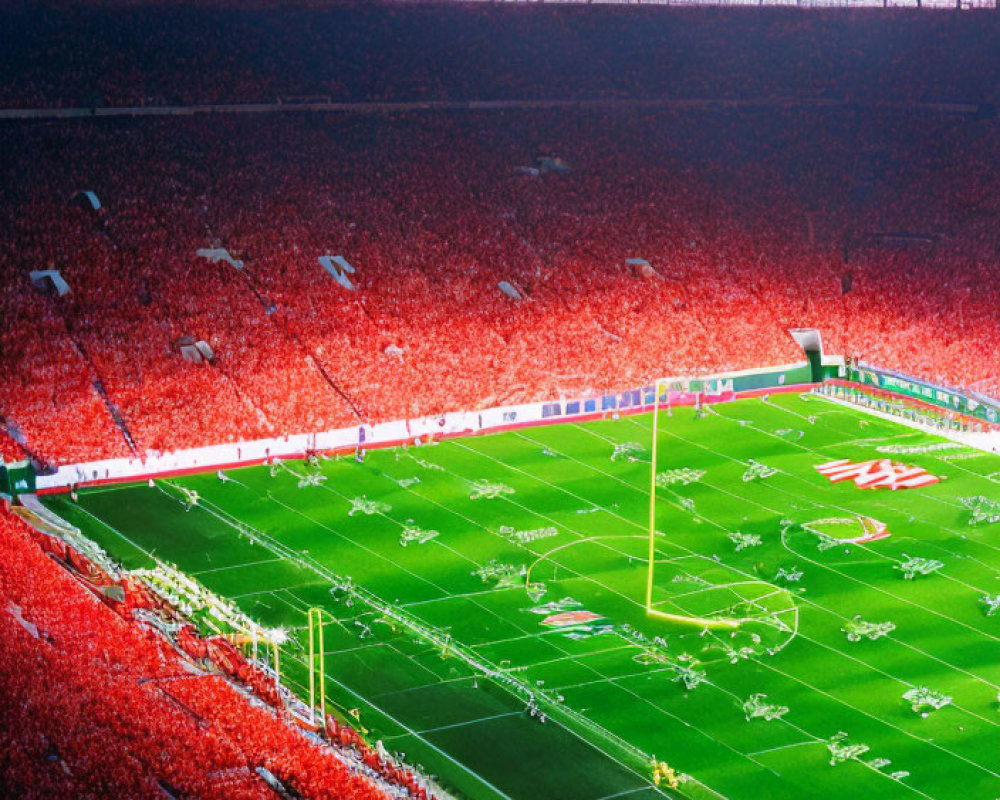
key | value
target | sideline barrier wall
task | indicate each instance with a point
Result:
(674, 391)
(981, 408)
(915, 403)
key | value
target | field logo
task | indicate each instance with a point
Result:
(846, 530)
(881, 473)
(566, 618)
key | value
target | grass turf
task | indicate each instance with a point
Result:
(575, 521)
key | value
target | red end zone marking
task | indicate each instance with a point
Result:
(880, 473)
(580, 617)
(874, 537)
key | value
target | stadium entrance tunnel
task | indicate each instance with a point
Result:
(811, 342)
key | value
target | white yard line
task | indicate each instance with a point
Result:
(987, 441)
(236, 566)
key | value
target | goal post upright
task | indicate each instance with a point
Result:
(312, 664)
(652, 498)
(317, 667)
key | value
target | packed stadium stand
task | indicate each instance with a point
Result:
(839, 198)
(753, 222)
(96, 707)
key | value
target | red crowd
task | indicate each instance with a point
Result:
(875, 227)
(96, 707)
(751, 223)
(10, 451)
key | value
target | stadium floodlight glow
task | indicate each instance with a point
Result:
(276, 636)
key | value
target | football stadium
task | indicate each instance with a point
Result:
(500, 400)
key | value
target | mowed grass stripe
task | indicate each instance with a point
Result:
(641, 488)
(270, 496)
(838, 699)
(469, 537)
(981, 766)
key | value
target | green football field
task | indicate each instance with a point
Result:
(524, 555)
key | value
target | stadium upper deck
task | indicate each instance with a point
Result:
(126, 54)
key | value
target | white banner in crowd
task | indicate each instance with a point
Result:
(414, 431)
